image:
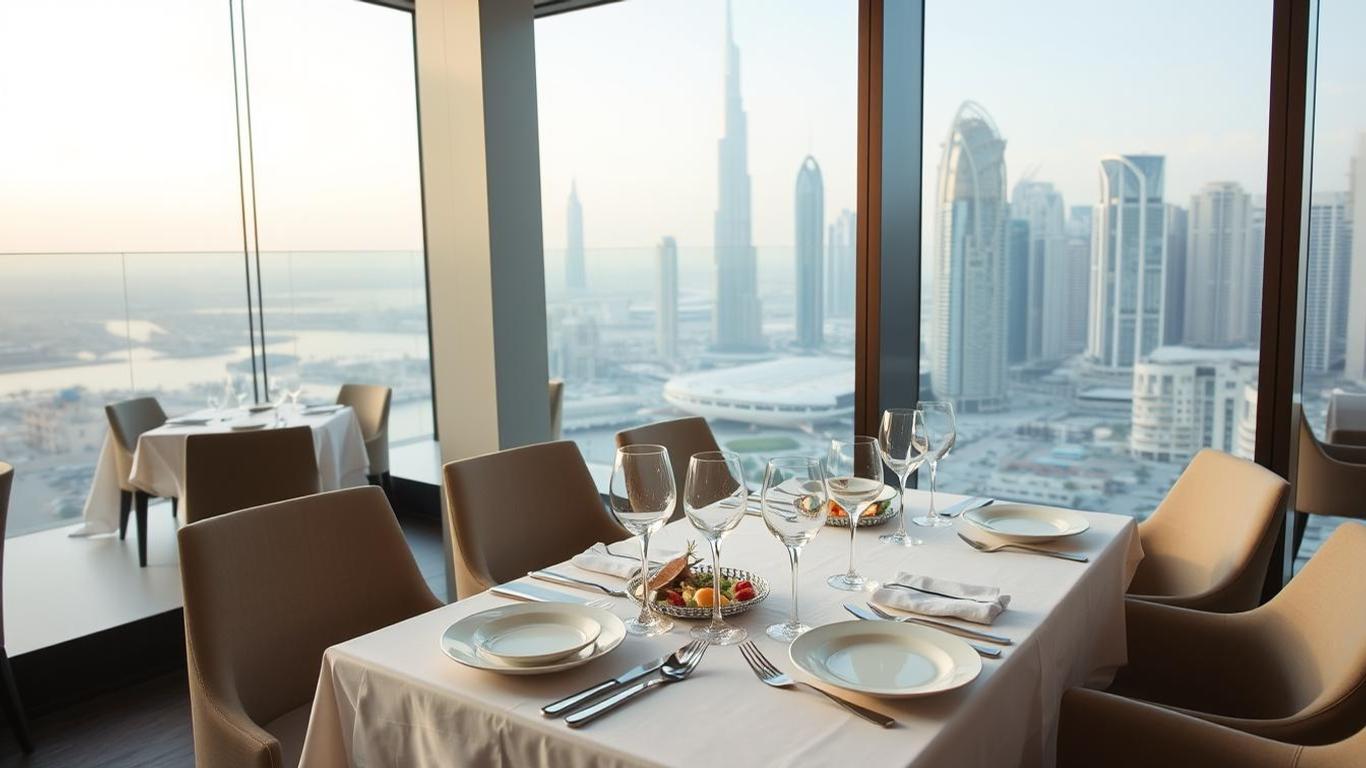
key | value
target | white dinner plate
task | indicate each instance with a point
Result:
(314, 409)
(890, 659)
(1027, 523)
(458, 640)
(538, 635)
(261, 408)
(188, 421)
(247, 426)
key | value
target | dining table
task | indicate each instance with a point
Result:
(392, 698)
(158, 466)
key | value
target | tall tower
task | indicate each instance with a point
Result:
(1217, 268)
(1040, 205)
(810, 224)
(968, 336)
(1327, 277)
(575, 273)
(666, 301)
(1174, 322)
(839, 265)
(735, 323)
(1078, 299)
(1356, 273)
(1017, 291)
(1127, 262)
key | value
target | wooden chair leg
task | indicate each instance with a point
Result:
(125, 507)
(140, 501)
(14, 708)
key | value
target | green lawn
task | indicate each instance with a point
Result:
(767, 444)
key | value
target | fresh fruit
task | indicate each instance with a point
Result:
(743, 594)
(675, 598)
(837, 511)
(703, 597)
(743, 584)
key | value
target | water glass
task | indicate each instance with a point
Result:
(642, 495)
(795, 502)
(941, 430)
(904, 447)
(714, 497)
(854, 469)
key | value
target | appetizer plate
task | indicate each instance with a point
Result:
(537, 635)
(1026, 523)
(888, 495)
(890, 659)
(730, 609)
(458, 640)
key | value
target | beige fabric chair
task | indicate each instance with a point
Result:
(1208, 543)
(371, 403)
(127, 421)
(1096, 729)
(267, 590)
(556, 407)
(521, 509)
(228, 471)
(1293, 669)
(1347, 419)
(1329, 479)
(14, 707)
(682, 438)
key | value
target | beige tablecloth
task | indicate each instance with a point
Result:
(159, 461)
(391, 698)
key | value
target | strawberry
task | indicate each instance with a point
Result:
(741, 595)
(743, 584)
(674, 597)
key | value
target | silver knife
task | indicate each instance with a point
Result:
(966, 505)
(535, 594)
(555, 709)
(990, 653)
(570, 581)
(975, 634)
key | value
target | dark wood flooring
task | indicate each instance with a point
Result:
(147, 725)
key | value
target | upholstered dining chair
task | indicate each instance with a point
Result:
(556, 407)
(521, 509)
(1329, 479)
(14, 707)
(267, 590)
(228, 471)
(682, 438)
(1293, 669)
(1208, 543)
(127, 421)
(371, 404)
(1346, 422)
(1099, 729)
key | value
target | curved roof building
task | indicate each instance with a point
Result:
(786, 392)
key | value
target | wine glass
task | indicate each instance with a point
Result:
(295, 389)
(941, 431)
(714, 497)
(904, 447)
(213, 401)
(795, 503)
(642, 496)
(279, 395)
(854, 469)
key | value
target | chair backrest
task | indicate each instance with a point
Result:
(130, 418)
(6, 482)
(1208, 543)
(1346, 423)
(682, 438)
(268, 589)
(556, 407)
(1329, 479)
(521, 509)
(228, 471)
(371, 403)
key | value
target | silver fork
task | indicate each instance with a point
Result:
(634, 558)
(569, 581)
(681, 663)
(771, 675)
(982, 546)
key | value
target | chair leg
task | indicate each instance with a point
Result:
(140, 501)
(14, 708)
(175, 507)
(125, 507)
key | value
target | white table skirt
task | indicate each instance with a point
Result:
(391, 698)
(159, 463)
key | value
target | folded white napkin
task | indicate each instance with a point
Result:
(984, 612)
(624, 564)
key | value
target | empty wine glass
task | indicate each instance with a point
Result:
(295, 389)
(642, 496)
(854, 469)
(278, 395)
(902, 442)
(941, 430)
(213, 401)
(795, 503)
(714, 498)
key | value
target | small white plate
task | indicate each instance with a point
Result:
(262, 408)
(188, 421)
(458, 641)
(538, 635)
(888, 494)
(1027, 523)
(317, 409)
(890, 659)
(247, 426)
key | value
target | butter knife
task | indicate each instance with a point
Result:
(975, 634)
(557, 708)
(990, 653)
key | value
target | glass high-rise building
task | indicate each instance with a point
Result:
(666, 301)
(1128, 280)
(1041, 207)
(575, 270)
(810, 230)
(1327, 279)
(1217, 265)
(840, 249)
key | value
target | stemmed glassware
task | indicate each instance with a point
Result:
(642, 496)
(794, 501)
(854, 469)
(942, 431)
(714, 497)
(904, 447)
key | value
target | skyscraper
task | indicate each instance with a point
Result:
(1174, 323)
(839, 265)
(1127, 262)
(1356, 284)
(810, 226)
(666, 300)
(1256, 253)
(1327, 278)
(1078, 299)
(1040, 206)
(735, 323)
(575, 272)
(968, 325)
(1017, 291)
(1217, 265)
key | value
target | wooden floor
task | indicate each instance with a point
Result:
(148, 724)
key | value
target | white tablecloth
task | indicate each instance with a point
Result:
(391, 698)
(159, 462)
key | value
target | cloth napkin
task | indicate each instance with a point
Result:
(933, 605)
(597, 559)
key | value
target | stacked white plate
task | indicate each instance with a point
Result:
(533, 639)
(890, 659)
(1026, 523)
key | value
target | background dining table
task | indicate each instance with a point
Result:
(393, 698)
(159, 461)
